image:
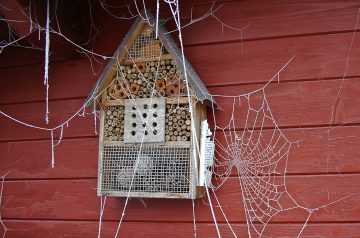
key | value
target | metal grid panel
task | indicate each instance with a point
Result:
(146, 46)
(159, 170)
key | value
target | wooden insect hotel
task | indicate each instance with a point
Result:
(150, 119)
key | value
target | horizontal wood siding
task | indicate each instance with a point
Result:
(323, 166)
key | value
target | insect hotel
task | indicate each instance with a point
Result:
(150, 134)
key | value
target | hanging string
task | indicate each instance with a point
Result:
(52, 149)
(47, 49)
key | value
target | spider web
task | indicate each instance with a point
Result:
(259, 156)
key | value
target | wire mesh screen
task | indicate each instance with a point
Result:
(159, 171)
(146, 46)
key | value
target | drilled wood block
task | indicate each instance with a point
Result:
(144, 120)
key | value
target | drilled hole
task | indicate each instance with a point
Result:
(155, 105)
(144, 124)
(133, 133)
(155, 132)
(154, 124)
(146, 132)
(144, 115)
(133, 115)
(134, 108)
(146, 106)
(155, 114)
(134, 124)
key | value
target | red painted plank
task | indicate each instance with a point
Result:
(67, 79)
(317, 151)
(32, 159)
(302, 103)
(33, 113)
(267, 19)
(76, 199)
(84, 229)
(316, 57)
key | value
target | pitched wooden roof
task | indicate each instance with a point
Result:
(169, 44)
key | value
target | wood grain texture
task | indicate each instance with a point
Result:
(290, 18)
(85, 229)
(76, 199)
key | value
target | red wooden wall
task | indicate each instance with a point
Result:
(39, 201)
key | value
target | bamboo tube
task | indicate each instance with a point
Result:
(181, 122)
(152, 63)
(178, 138)
(167, 61)
(108, 112)
(152, 69)
(150, 86)
(171, 133)
(173, 138)
(109, 122)
(184, 138)
(188, 128)
(170, 123)
(167, 137)
(176, 133)
(162, 62)
(147, 69)
(147, 63)
(141, 66)
(157, 64)
(161, 93)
